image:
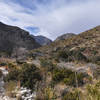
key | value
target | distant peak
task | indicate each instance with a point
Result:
(65, 36)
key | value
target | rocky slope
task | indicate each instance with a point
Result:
(13, 37)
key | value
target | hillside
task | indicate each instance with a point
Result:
(89, 41)
(64, 70)
(63, 60)
(65, 36)
(13, 37)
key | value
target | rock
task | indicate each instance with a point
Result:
(14, 37)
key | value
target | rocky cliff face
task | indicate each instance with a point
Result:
(13, 37)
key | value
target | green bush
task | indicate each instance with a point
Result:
(62, 54)
(77, 55)
(60, 74)
(29, 76)
(71, 56)
(48, 65)
(11, 66)
(12, 76)
(67, 76)
(44, 62)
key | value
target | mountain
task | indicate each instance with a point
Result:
(88, 43)
(42, 40)
(65, 36)
(14, 37)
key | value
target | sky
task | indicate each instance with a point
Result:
(51, 18)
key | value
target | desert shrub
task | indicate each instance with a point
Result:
(67, 81)
(49, 94)
(60, 74)
(44, 62)
(71, 55)
(77, 55)
(47, 64)
(70, 80)
(67, 76)
(62, 54)
(93, 91)
(29, 76)
(46, 93)
(80, 77)
(11, 66)
(10, 88)
(13, 75)
(71, 95)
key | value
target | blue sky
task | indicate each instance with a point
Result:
(51, 18)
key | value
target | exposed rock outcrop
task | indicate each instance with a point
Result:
(14, 37)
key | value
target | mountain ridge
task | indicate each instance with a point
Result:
(12, 37)
(42, 40)
(65, 36)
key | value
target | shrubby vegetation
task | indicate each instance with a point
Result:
(46, 94)
(28, 75)
(93, 91)
(10, 88)
(47, 64)
(67, 76)
(71, 56)
(74, 95)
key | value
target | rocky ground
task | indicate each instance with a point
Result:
(2, 90)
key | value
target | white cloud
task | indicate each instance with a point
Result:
(55, 18)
